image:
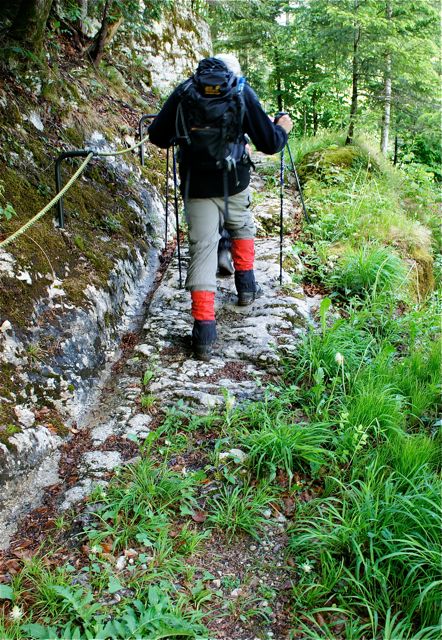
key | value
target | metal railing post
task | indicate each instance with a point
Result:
(141, 132)
(78, 153)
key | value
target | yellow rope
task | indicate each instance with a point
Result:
(50, 204)
(67, 186)
(120, 152)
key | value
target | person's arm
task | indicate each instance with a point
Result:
(266, 136)
(162, 130)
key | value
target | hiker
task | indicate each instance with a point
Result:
(208, 116)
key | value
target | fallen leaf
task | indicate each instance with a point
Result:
(199, 516)
(289, 506)
(320, 620)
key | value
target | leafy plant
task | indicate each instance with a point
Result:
(385, 530)
(240, 509)
(136, 505)
(153, 619)
(368, 271)
(287, 446)
(7, 212)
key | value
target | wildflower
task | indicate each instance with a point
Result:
(308, 568)
(339, 359)
(16, 613)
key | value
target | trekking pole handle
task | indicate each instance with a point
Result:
(279, 115)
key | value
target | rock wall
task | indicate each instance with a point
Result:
(48, 389)
(67, 296)
(171, 49)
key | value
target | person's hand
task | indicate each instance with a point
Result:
(285, 122)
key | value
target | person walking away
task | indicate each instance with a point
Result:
(208, 116)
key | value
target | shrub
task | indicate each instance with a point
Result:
(368, 271)
(286, 446)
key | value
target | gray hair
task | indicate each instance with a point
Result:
(231, 62)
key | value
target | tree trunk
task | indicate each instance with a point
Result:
(29, 24)
(104, 36)
(315, 112)
(83, 15)
(396, 149)
(387, 91)
(355, 76)
(278, 80)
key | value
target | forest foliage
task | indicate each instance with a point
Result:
(337, 63)
(358, 65)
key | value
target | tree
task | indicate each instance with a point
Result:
(29, 23)
(355, 74)
(137, 15)
(387, 87)
(108, 29)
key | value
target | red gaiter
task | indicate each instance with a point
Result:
(203, 305)
(243, 253)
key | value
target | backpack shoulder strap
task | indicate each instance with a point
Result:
(180, 122)
(241, 103)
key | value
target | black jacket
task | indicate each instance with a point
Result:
(266, 136)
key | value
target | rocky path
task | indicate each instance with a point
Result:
(244, 359)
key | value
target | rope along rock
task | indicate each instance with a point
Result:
(67, 186)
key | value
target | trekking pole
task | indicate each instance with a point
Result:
(281, 214)
(177, 221)
(298, 184)
(167, 195)
(281, 195)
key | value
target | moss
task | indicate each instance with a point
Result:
(39, 152)
(56, 424)
(75, 287)
(321, 163)
(424, 278)
(75, 137)
(79, 242)
(10, 115)
(108, 319)
(6, 433)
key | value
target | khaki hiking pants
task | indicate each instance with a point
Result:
(205, 217)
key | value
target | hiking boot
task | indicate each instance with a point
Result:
(225, 264)
(203, 337)
(247, 297)
(202, 352)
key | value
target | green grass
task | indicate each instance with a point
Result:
(385, 534)
(285, 446)
(241, 509)
(368, 549)
(137, 507)
(355, 198)
(368, 271)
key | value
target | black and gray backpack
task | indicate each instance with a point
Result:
(209, 120)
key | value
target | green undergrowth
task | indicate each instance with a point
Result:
(365, 212)
(345, 451)
(371, 370)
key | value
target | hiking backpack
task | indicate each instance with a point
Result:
(209, 119)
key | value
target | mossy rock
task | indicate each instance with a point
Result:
(6, 434)
(324, 163)
(424, 274)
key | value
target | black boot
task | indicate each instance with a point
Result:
(225, 264)
(203, 337)
(247, 288)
